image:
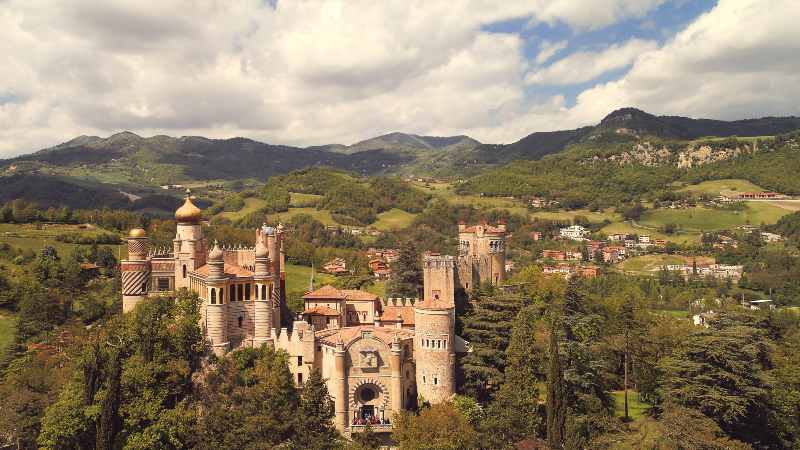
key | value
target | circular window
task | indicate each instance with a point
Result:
(367, 394)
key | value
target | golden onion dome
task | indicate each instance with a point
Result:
(136, 233)
(188, 213)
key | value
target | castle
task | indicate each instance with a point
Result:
(379, 356)
(481, 254)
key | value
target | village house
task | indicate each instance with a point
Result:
(575, 232)
(380, 268)
(611, 255)
(558, 255)
(644, 239)
(617, 237)
(536, 235)
(758, 196)
(574, 256)
(336, 266)
(771, 237)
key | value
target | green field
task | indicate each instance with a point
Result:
(298, 277)
(7, 328)
(29, 236)
(394, 219)
(300, 200)
(592, 216)
(676, 313)
(716, 187)
(651, 263)
(251, 204)
(636, 408)
(322, 215)
(700, 219)
(628, 228)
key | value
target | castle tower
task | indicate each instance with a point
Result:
(262, 306)
(434, 340)
(135, 270)
(216, 304)
(189, 244)
(481, 254)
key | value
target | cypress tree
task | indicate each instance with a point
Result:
(406, 272)
(555, 400)
(314, 415)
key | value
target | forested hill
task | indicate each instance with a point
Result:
(625, 121)
(608, 168)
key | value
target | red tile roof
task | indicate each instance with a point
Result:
(330, 292)
(393, 313)
(229, 269)
(322, 311)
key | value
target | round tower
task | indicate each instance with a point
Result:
(135, 270)
(216, 304)
(434, 318)
(189, 244)
(262, 306)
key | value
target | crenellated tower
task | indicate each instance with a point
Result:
(135, 270)
(481, 254)
(434, 340)
(189, 245)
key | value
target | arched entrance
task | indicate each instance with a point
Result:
(370, 401)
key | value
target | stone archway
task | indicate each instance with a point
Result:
(369, 397)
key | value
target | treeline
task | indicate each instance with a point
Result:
(21, 211)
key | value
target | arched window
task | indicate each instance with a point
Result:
(221, 295)
(213, 296)
(241, 320)
(232, 295)
(184, 271)
(247, 291)
(264, 292)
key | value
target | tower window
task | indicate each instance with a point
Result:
(264, 292)
(299, 361)
(435, 381)
(247, 291)
(213, 296)
(232, 296)
(299, 378)
(144, 286)
(184, 271)
(240, 293)
(423, 379)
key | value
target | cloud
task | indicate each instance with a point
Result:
(549, 49)
(736, 61)
(307, 73)
(592, 15)
(583, 66)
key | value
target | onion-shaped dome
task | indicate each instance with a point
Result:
(188, 213)
(137, 233)
(215, 254)
(261, 250)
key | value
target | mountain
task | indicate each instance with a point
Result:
(625, 123)
(406, 142)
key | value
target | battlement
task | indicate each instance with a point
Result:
(160, 252)
(399, 301)
(302, 332)
(439, 262)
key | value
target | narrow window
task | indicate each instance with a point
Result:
(435, 381)
(264, 292)
(144, 286)
(299, 361)
(184, 271)
(299, 378)
(240, 292)
(423, 379)
(213, 296)
(221, 295)
(247, 291)
(232, 296)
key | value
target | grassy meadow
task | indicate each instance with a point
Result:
(35, 237)
(7, 329)
(701, 219)
(727, 186)
(394, 219)
(251, 204)
(636, 408)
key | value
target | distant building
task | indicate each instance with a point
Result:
(536, 235)
(771, 237)
(481, 254)
(336, 266)
(575, 232)
(558, 255)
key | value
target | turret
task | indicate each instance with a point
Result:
(434, 338)
(216, 304)
(263, 278)
(135, 270)
(189, 244)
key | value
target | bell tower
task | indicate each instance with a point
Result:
(189, 243)
(135, 270)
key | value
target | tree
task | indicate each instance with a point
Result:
(514, 413)
(486, 327)
(556, 409)
(721, 372)
(440, 427)
(406, 274)
(315, 414)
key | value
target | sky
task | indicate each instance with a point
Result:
(309, 73)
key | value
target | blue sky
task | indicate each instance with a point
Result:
(660, 25)
(339, 71)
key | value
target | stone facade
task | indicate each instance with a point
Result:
(481, 255)
(378, 356)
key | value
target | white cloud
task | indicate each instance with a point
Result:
(549, 49)
(594, 14)
(583, 66)
(310, 73)
(736, 61)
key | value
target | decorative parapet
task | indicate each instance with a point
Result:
(399, 301)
